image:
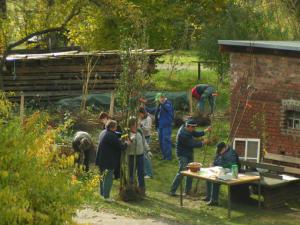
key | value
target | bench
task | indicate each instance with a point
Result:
(276, 186)
(281, 159)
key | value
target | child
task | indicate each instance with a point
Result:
(146, 126)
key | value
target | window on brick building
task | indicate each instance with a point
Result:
(293, 119)
(290, 120)
(247, 148)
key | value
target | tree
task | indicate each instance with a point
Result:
(34, 19)
(237, 20)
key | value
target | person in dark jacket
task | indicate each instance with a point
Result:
(164, 116)
(201, 92)
(225, 157)
(109, 149)
(104, 118)
(83, 145)
(185, 144)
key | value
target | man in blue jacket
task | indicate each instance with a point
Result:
(164, 116)
(225, 157)
(185, 144)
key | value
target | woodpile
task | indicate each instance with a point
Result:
(63, 74)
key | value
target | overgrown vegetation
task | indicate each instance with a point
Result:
(37, 182)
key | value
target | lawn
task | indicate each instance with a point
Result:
(184, 80)
(180, 57)
(158, 204)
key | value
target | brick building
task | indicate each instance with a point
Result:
(265, 100)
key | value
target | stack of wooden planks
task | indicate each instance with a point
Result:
(63, 74)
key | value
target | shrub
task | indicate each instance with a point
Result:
(36, 184)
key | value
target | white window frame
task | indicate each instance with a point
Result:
(294, 118)
(246, 140)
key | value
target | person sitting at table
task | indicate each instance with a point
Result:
(225, 157)
(185, 144)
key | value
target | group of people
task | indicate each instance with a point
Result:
(111, 144)
(136, 144)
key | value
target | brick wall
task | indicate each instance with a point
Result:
(275, 78)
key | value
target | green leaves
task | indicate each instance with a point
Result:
(34, 189)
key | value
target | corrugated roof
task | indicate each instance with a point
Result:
(280, 45)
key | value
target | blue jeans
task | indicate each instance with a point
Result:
(139, 166)
(147, 166)
(147, 161)
(207, 94)
(106, 183)
(165, 142)
(183, 162)
(212, 191)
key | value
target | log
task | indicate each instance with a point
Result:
(15, 83)
(67, 68)
(57, 87)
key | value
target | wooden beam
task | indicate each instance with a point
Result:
(12, 83)
(65, 69)
(291, 170)
(282, 158)
(22, 106)
(58, 93)
(267, 166)
(112, 104)
(50, 87)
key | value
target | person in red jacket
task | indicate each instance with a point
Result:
(204, 91)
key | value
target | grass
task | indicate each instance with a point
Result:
(180, 56)
(184, 80)
(158, 204)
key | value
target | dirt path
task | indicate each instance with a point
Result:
(90, 216)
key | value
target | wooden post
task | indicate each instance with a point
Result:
(3, 9)
(199, 71)
(190, 99)
(22, 104)
(112, 104)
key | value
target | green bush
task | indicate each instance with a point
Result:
(36, 183)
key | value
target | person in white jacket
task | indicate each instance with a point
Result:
(135, 153)
(145, 122)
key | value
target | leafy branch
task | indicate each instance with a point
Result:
(74, 12)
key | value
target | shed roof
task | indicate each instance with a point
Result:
(269, 47)
(76, 53)
(284, 45)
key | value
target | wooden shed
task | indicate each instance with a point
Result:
(55, 75)
(265, 100)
